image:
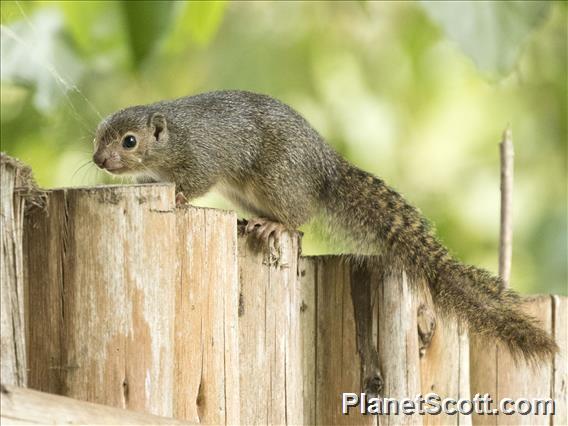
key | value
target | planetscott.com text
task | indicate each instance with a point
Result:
(433, 404)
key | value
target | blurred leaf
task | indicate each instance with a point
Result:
(13, 98)
(490, 32)
(30, 49)
(196, 21)
(437, 118)
(146, 23)
(11, 11)
(98, 33)
(79, 17)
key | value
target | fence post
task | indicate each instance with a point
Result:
(137, 304)
(335, 357)
(560, 366)
(101, 280)
(494, 371)
(16, 189)
(133, 303)
(270, 337)
(206, 382)
(414, 357)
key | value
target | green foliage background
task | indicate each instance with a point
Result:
(416, 92)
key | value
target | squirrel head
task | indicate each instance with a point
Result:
(127, 141)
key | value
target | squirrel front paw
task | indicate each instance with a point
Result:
(267, 236)
(181, 200)
(264, 228)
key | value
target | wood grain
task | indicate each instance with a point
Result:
(270, 341)
(560, 367)
(13, 176)
(338, 365)
(393, 329)
(101, 281)
(444, 365)
(495, 372)
(398, 343)
(307, 283)
(206, 385)
(136, 304)
(25, 406)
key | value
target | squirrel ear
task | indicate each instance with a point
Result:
(158, 124)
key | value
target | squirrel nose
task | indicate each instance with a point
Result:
(99, 159)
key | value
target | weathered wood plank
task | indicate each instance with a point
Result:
(254, 349)
(308, 323)
(293, 372)
(560, 373)
(483, 375)
(519, 380)
(16, 183)
(338, 365)
(398, 343)
(444, 363)
(393, 329)
(494, 371)
(269, 333)
(44, 312)
(135, 303)
(138, 305)
(206, 385)
(101, 282)
(25, 406)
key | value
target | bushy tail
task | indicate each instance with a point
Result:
(378, 219)
(468, 294)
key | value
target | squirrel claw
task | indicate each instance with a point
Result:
(265, 228)
(181, 199)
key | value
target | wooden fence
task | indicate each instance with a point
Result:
(131, 302)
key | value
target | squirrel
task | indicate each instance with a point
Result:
(267, 159)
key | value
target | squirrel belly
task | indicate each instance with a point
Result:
(269, 160)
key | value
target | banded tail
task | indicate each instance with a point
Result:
(378, 218)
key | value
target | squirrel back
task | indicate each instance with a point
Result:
(267, 159)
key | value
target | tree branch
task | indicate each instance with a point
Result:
(506, 233)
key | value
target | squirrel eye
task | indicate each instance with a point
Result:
(129, 142)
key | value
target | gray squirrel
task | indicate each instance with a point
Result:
(268, 160)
